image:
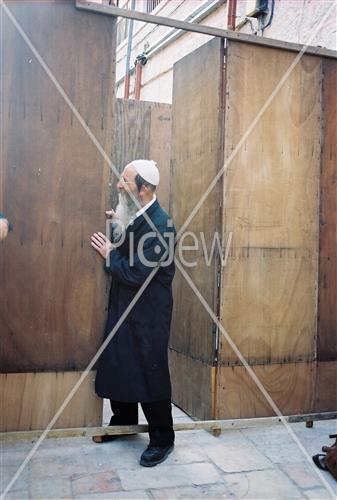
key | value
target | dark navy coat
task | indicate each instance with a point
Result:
(134, 366)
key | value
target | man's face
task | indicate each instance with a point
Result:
(127, 184)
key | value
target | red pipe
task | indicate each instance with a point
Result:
(139, 69)
(231, 15)
(127, 86)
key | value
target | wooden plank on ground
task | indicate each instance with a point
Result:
(207, 425)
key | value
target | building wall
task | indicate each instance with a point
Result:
(293, 21)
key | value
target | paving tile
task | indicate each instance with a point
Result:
(118, 495)
(317, 494)
(59, 463)
(17, 445)
(214, 491)
(186, 455)
(262, 484)
(18, 495)
(100, 482)
(238, 458)
(280, 453)
(50, 487)
(13, 458)
(100, 458)
(166, 476)
(8, 473)
(303, 474)
(268, 435)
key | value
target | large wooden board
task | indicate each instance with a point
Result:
(196, 158)
(143, 130)
(269, 285)
(326, 386)
(291, 387)
(54, 190)
(327, 290)
(53, 290)
(192, 385)
(30, 401)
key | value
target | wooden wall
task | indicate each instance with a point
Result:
(196, 158)
(55, 187)
(270, 199)
(326, 387)
(277, 294)
(142, 130)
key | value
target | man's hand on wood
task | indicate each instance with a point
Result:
(4, 225)
(111, 213)
(102, 244)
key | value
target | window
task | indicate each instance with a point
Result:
(151, 5)
(123, 23)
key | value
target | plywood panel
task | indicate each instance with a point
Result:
(143, 130)
(160, 148)
(327, 291)
(31, 400)
(265, 292)
(326, 386)
(132, 131)
(53, 290)
(270, 202)
(196, 158)
(291, 387)
(192, 385)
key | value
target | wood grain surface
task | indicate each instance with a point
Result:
(142, 130)
(55, 186)
(196, 158)
(270, 199)
(30, 401)
(327, 290)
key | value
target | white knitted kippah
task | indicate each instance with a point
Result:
(148, 170)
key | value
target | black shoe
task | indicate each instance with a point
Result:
(154, 455)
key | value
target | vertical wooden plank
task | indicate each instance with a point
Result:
(160, 148)
(195, 160)
(327, 289)
(269, 285)
(271, 206)
(53, 290)
(143, 130)
(326, 386)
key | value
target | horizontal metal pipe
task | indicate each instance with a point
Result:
(205, 30)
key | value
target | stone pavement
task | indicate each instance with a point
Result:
(249, 463)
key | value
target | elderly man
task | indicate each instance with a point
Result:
(134, 366)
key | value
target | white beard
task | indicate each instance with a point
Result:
(125, 210)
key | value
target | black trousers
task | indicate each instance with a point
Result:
(158, 415)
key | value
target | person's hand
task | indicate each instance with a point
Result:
(102, 244)
(111, 213)
(4, 225)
